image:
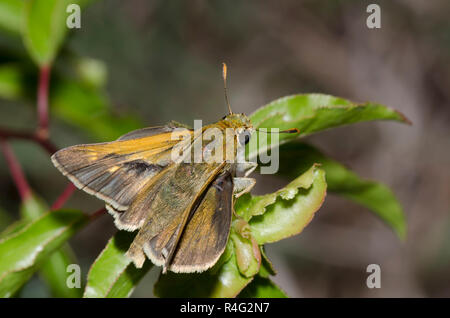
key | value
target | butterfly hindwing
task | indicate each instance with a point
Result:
(139, 210)
(168, 204)
(205, 237)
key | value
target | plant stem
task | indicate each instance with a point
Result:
(42, 102)
(16, 170)
(68, 191)
(97, 213)
(44, 143)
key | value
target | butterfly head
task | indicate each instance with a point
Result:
(237, 121)
(241, 124)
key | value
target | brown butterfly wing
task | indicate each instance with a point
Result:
(117, 171)
(143, 189)
(168, 203)
(206, 234)
(147, 132)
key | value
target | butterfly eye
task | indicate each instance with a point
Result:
(244, 138)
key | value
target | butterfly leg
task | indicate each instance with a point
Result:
(242, 185)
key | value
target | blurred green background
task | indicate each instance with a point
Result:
(142, 63)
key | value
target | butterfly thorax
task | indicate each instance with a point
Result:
(226, 137)
(236, 121)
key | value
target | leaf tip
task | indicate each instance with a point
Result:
(401, 232)
(403, 118)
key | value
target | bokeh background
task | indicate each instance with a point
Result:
(156, 61)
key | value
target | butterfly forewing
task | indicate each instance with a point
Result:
(117, 171)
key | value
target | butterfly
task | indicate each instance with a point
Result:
(181, 210)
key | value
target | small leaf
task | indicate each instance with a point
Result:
(54, 273)
(54, 269)
(248, 256)
(311, 113)
(267, 268)
(11, 15)
(249, 206)
(13, 228)
(287, 211)
(44, 28)
(262, 287)
(32, 208)
(23, 251)
(91, 71)
(375, 196)
(11, 81)
(71, 100)
(113, 274)
(5, 220)
(222, 281)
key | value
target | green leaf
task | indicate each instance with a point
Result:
(248, 206)
(311, 113)
(72, 100)
(13, 228)
(267, 268)
(93, 72)
(113, 274)
(5, 220)
(11, 15)
(375, 196)
(11, 81)
(54, 269)
(262, 287)
(54, 273)
(44, 28)
(222, 281)
(32, 208)
(287, 211)
(248, 256)
(23, 251)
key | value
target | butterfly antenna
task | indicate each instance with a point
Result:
(224, 75)
(287, 131)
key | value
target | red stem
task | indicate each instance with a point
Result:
(16, 170)
(97, 213)
(41, 136)
(68, 191)
(42, 102)
(44, 143)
